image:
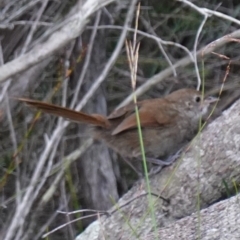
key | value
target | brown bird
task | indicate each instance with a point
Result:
(167, 123)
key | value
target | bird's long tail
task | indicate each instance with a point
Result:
(93, 119)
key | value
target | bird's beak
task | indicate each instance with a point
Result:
(206, 102)
(211, 99)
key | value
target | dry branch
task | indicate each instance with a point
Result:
(60, 38)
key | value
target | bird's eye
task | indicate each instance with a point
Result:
(197, 99)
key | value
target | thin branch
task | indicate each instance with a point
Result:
(155, 38)
(21, 11)
(205, 11)
(195, 50)
(34, 26)
(151, 30)
(24, 23)
(66, 224)
(66, 162)
(87, 59)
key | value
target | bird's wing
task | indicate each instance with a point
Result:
(152, 113)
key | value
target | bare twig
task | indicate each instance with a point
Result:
(155, 38)
(205, 11)
(195, 50)
(87, 60)
(151, 30)
(21, 11)
(34, 26)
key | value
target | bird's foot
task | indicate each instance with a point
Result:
(161, 163)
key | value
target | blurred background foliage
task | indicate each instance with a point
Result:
(168, 20)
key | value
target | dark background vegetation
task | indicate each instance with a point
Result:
(98, 178)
